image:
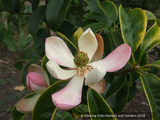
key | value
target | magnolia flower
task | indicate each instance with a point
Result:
(37, 81)
(82, 70)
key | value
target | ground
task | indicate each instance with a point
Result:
(9, 96)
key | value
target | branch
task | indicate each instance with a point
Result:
(126, 70)
(15, 12)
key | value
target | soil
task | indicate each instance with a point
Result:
(10, 78)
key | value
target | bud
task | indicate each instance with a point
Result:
(81, 59)
(36, 82)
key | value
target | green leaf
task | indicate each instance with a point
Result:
(17, 115)
(56, 11)
(95, 26)
(152, 38)
(132, 92)
(44, 107)
(110, 10)
(9, 40)
(117, 37)
(19, 64)
(93, 4)
(36, 19)
(97, 105)
(149, 15)
(29, 54)
(151, 85)
(43, 64)
(12, 5)
(133, 26)
(70, 18)
(118, 101)
(39, 42)
(25, 70)
(21, 40)
(117, 84)
(155, 64)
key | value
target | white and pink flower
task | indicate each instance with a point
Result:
(91, 73)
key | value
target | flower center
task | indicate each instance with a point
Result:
(81, 59)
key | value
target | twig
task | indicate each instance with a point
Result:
(16, 12)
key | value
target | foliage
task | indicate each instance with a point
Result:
(138, 28)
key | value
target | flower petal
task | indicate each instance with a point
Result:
(26, 105)
(116, 60)
(95, 75)
(88, 43)
(70, 96)
(41, 71)
(57, 50)
(57, 72)
(99, 52)
(99, 87)
(36, 82)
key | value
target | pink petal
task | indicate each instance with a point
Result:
(99, 87)
(41, 71)
(70, 96)
(99, 52)
(95, 75)
(58, 72)
(87, 43)
(36, 82)
(116, 60)
(57, 50)
(26, 105)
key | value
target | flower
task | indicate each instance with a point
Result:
(82, 70)
(37, 80)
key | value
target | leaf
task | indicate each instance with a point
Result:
(25, 69)
(117, 37)
(19, 64)
(39, 42)
(12, 5)
(97, 105)
(132, 92)
(17, 115)
(55, 12)
(117, 84)
(21, 40)
(151, 85)
(149, 15)
(118, 100)
(109, 9)
(36, 19)
(20, 88)
(152, 38)
(11, 44)
(95, 26)
(44, 107)
(155, 64)
(133, 26)
(29, 54)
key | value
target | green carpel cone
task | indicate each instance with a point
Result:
(81, 59)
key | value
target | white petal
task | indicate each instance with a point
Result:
(58, 72)
(88, 43)
(70, 95)
(95, 75)
(57, 50)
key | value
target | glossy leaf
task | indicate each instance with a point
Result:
(152, 37)
(70, 18)
(117, 37)
(93, 4)
(12, 5)
(118, 101)
(132, 92)
(17, 115)
(97, 105)
(149, 15)
(44, 107)
(39, 42)
(110, 10)
(95, 26)
(29, 54)
(117, 84)
(55, 12)
(151, 85)
(19, 64)
(36, 19)
(133, 26)
(155, 64)
(25, 70)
